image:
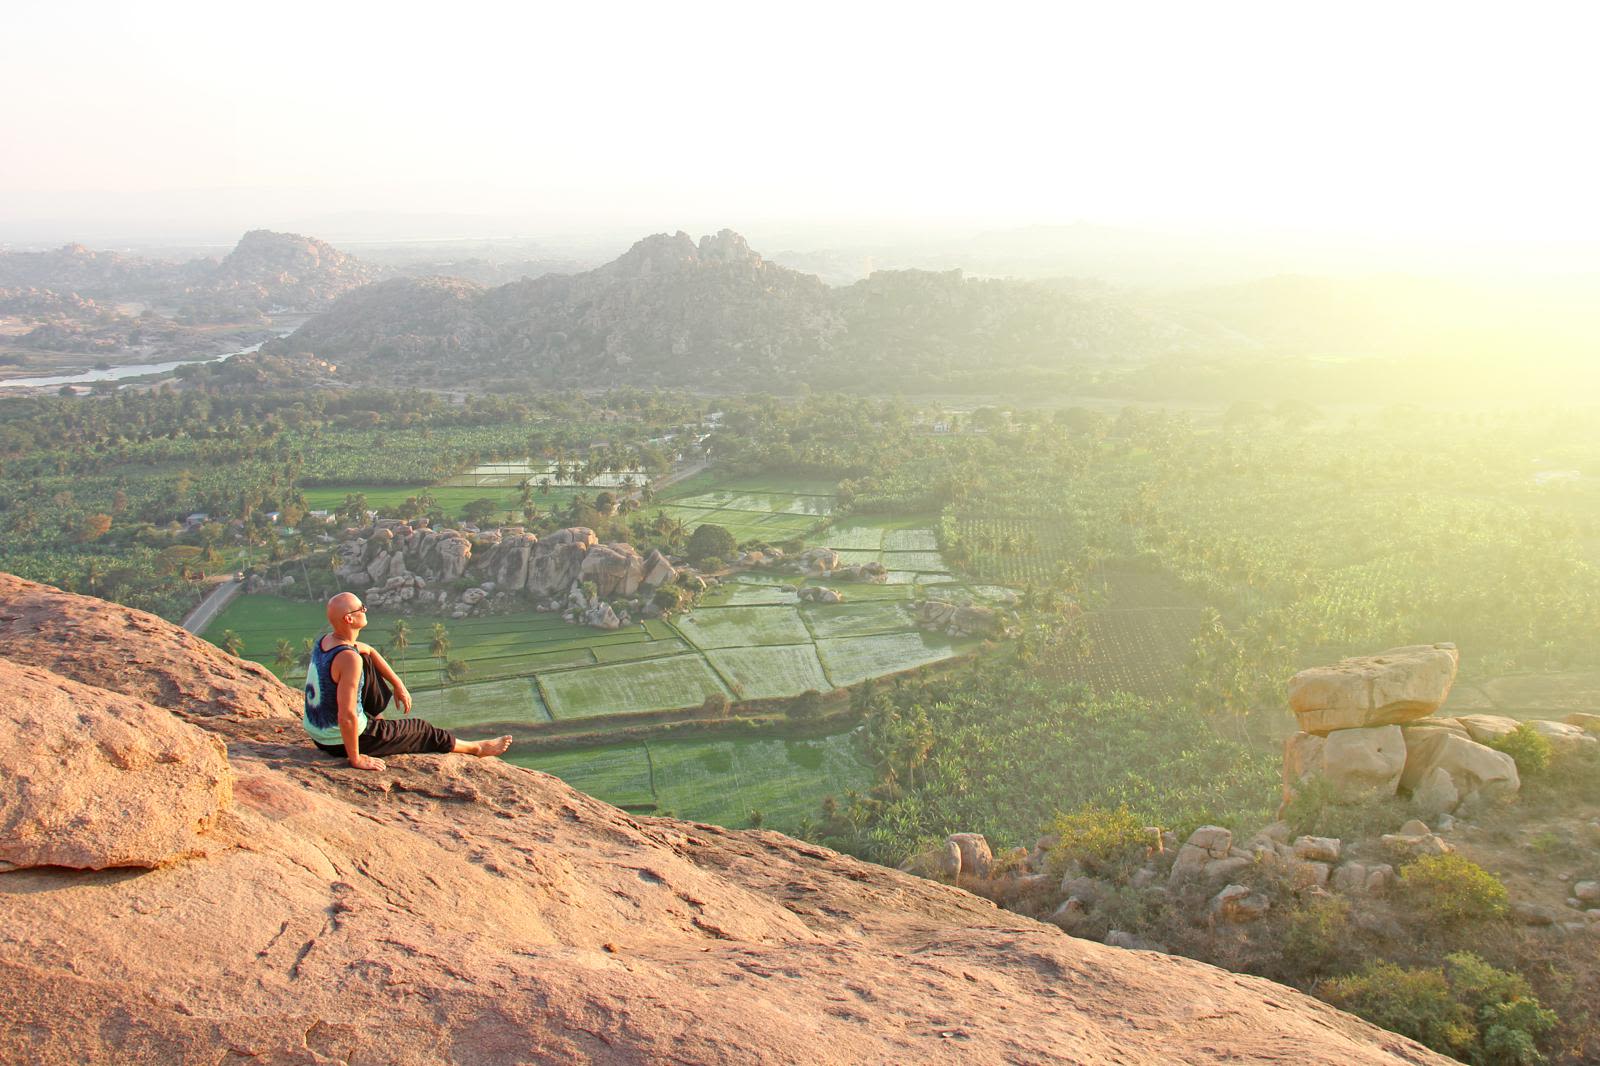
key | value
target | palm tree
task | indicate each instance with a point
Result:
(440, 647)
(283, 657)
(400, 640)
(232, 642)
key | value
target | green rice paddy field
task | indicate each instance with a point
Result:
(716, 781)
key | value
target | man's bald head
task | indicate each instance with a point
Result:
(341, 606)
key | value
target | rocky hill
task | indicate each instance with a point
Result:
(671, 310)
(186, 880)
(268, 270)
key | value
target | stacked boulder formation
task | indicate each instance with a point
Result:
(400, 562)
(1368, 729)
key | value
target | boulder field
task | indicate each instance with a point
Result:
(1368, 730)
(187, 881)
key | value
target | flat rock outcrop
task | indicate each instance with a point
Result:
(1394, 686)
(455, 910)
(95, 779)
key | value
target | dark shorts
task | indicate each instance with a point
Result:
(407, 736)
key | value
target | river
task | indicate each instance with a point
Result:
(135, 370)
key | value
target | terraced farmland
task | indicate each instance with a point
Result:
(770, 509)
(731, 627)
(910, 552)
(717, 781)
(630, 688)
(768, 673)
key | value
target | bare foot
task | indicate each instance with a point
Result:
(485, 748)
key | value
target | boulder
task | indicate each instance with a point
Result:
(1473, 768)
(615, 569)
(509, 567)
(657, 571)
(1380, 878)
(819, 560)
(1236, 904)
(1399, 685)
(601, 616)
(1437, 794)
(1587, 891)
(96, 779)
(557, 561)
(1415, 845)
(1564, 738)
(454, 552)
(1222, 871)
(1204, 845)
(1355, 763)
(976, 858)
(1316, 849)
(1589, 723)
(1485, 728)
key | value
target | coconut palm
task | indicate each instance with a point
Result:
(440, 645)
(232, 642)
(283, 657)
(399, 641)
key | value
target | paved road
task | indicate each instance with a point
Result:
(211, 606)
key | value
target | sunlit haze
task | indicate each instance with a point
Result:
(1460, 124)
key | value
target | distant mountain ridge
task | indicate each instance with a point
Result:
(671, 309)
(265, 271)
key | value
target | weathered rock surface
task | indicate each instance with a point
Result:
(95, 779)
(455, 910)
(134, 653)
(1356, 763)
(1473, 768)
(1394, 686)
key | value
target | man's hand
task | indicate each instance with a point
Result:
(402, 696)
(366, 762)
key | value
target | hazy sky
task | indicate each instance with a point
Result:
(1421, 119)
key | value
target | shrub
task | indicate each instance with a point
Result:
(1467, 1009)
(710, 540)
(1097, 838)
(1448, 888)
(669, 597)
(715, 705)
(1316, 934)
(1316, 811)
(1530, 750)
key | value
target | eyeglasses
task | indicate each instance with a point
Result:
(358, 610)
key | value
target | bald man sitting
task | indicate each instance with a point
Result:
(334, 717)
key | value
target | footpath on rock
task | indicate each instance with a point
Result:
(186, 880)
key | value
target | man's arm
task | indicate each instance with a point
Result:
(402, 695)
(346, 669)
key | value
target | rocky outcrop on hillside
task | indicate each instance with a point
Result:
(449, 909)
(269, 271)
(671, 308)
(403, 562)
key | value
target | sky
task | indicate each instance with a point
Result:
(1429, 121)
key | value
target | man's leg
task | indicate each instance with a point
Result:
(413, 736)
(483, 748)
